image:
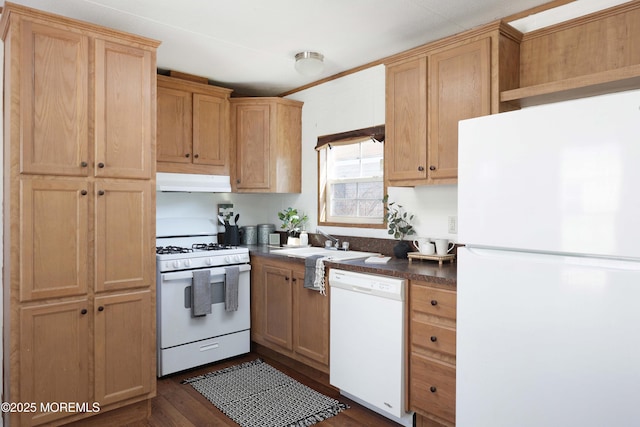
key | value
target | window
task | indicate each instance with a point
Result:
(350, 173)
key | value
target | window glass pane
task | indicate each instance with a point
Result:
(354, 182)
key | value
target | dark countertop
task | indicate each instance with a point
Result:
(428, 271)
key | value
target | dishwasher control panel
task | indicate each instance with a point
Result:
(375, 284)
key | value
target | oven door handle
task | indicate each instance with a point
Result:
(181, 275)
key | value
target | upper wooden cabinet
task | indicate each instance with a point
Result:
(193, 127)
(54, 118)
(268, 139)
(430, 89)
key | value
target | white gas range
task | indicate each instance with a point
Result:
(203, 291)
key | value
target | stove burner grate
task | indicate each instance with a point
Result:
(210, 246)
(164, 250)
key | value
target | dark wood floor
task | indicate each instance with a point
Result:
(181, 405)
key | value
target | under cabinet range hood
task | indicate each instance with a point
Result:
(192, 183)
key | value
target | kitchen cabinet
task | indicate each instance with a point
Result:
(80, 215)
(267, 136)
(285, 316)
(122, 371)
(54, 357)
(193, 127)
(432, 353)
(430, 89)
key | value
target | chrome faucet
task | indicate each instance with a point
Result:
(330, 237)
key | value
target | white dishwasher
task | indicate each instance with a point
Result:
(367, 341)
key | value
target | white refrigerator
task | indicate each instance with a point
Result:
(548, 323)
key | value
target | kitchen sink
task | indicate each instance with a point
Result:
(333, 253)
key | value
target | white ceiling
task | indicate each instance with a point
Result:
(249, 45)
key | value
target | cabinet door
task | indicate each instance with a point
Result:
(174, 125)
(54, 357)
(124, 346)
(277, 306)
(459, 88)
(54, 240)
(210, 115)
(54, 101)
(310, 321)
(406, 120)
(125, 109)
(124, 232)
(252, 128)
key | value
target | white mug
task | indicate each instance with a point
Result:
(443, 246)
(424, 246)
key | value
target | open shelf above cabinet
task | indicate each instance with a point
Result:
(621, 79)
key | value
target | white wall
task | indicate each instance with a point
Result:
(351, 102)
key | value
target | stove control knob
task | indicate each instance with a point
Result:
(176, 264)
(187, 263)
(208, 261)
(227, 259)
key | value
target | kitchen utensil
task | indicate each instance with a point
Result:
(221, 219)
(235, 220)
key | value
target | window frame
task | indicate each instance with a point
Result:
(345, 138)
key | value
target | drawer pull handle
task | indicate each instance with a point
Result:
(420, 168)
(434, 302)
(432, 389)
(83, 311)
(433, 338)
(101, 165)
(432, 168)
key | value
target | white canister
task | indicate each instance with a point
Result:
(304, 239)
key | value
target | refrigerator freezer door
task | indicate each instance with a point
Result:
(547, 340)
(555, 178)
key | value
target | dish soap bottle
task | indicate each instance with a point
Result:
(304, 238)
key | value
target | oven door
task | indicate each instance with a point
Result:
(177, 326)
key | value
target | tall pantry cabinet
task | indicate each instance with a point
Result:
(79, 217)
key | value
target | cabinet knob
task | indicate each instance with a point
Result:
(83, 311)
(421, 168)
(433, 338)
(286, 278)
(187, 155)
(101, 308)
(101, 193)
(237, 181)
(84, 164)
(294, 279)
(101, 165)
(195, 156)
(83, 192)
(432, 168)
(434, 302)
(432, 389)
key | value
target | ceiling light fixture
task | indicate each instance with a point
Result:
(309, 63)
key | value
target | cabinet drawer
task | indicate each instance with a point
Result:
(433, 337)
(432, 388)
(437, 302)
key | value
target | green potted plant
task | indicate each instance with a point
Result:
(399, 224)
(293, 223)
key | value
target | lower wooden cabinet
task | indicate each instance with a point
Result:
(432, 353)
(124, 346)
(56, 363)
(54, 358)
(285, 316)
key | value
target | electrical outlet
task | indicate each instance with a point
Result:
(453, 224)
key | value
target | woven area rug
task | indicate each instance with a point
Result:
(255, 394)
